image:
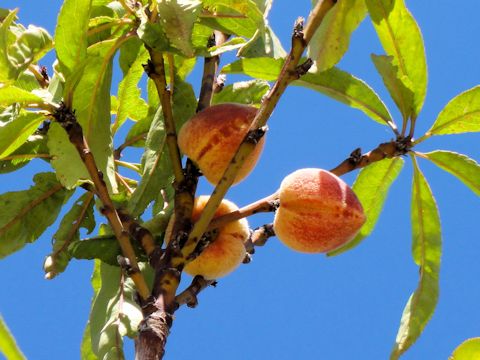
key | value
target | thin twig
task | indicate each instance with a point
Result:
(67, 119)
(189, 295)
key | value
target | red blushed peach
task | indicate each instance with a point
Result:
(318, 212)
(227, 252)
(211, 138)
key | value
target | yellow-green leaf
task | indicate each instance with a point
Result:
(25, 215)
(71, 34)
(468, 350)
(371, 187)
(14, 95)
(8, 345)
(426, 250)
(349, 90)
(15, 132)
(332, 38)
(461, 166)
(402, 39)
(460, 115)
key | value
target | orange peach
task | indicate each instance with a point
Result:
(318, 212)
(227, 252)
(211, 138)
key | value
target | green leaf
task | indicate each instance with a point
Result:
(239, 17)
(157, 172)
(468, 350)
(243, 92)
(349, 90)
(34, 147)
(13, 95)
(8, 345)
(25, 215)
(65, 159)
(402, 39)
(71, 35)
(86, 352)
(184, 102)
(14, 132)
(461, 166)
(177, 18)
(153, 35)
(460, 115)
(260, 68)
(130, 103)
(30, 46)
(332, 38)
(426, 250)
(80, 215)
(104, 248)
(264, 43)
(7, 70)
(92, 104)
(114, 313)
(396, 83)
(371, 187)
(232, 44)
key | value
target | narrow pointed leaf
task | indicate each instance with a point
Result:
(177, 18)
(71, 34)
(243, 92)
(332, 38)
(8, 345)
(80, 215)
(402, 39)
(92, 104)
(461, 166)
(371, 187)
(460, 115)
(8, 73)
(86, 352)
(260, 68)
(264, 43)
(31, 45)
(349, 90)
(25, 215)
(15, 132)
(246, 18)
(468, 350)
(14, 95)
(426, 250)
(156, 168)
(130, 103)
(114, 313)
(396, 83)
(34, 147)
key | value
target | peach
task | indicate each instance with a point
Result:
(211, 138)
(318, 212)
(227, 252)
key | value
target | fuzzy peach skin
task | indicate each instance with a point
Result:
(227, 252)
(318, 212)
(212, 136)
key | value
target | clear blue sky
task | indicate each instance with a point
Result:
(286, 305)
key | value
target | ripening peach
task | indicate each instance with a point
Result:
(318, 212)
(227, 252)
(211, 138)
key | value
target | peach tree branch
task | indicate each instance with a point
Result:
(67, 119)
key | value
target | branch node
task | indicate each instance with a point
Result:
(205, 240)
(355, 156)
(298, 27)
(126, 266)
(255, 135)
(303, 68)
